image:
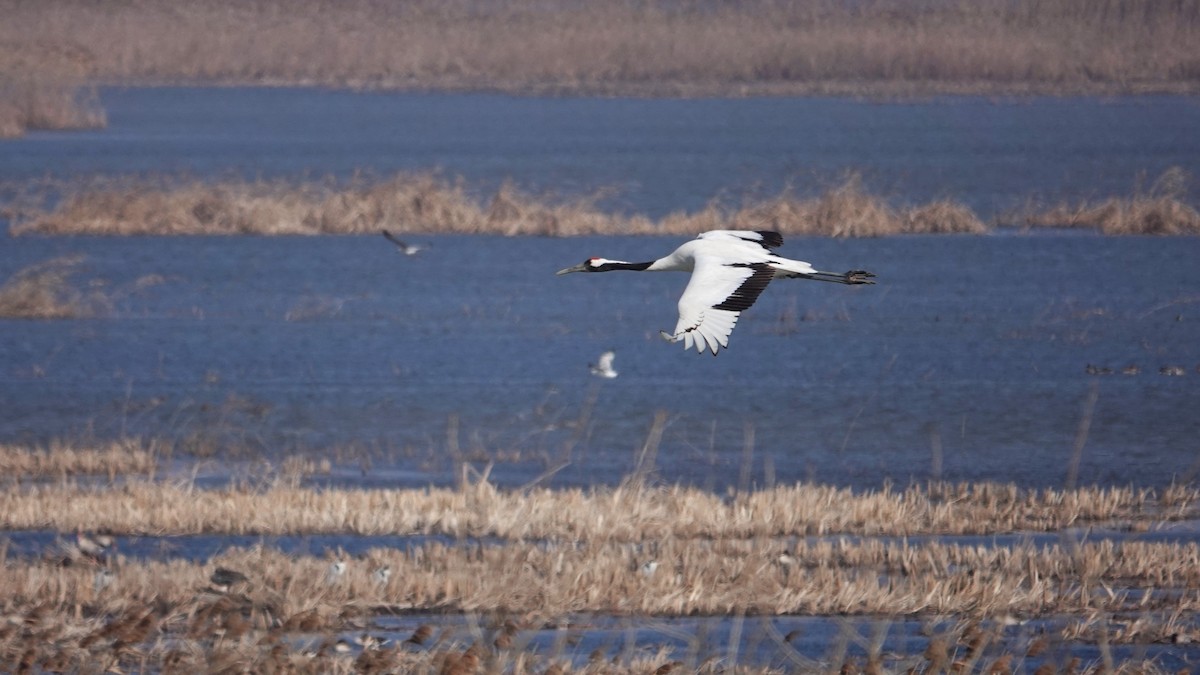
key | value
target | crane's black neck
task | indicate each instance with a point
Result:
(613, 265)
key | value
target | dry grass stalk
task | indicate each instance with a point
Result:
(45, 291)
(827, 46)
(429, 203)
(698, 576)
(426, 202)
(59, 458)
(627, 513)
(1161, 210)
(42, 86)
(40, 105)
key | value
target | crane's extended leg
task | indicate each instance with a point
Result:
(851, 277)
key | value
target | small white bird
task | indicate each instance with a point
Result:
(337, 569)
(730, 269)
(406, 249)
(649, 567)
(381, 575)
(604, 365)
(102, 579)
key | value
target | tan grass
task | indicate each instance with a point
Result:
(626, 513)
(29, 105)
(826, 46)
(46, 291)
(1160, 210)
(430, 203)
(42, 86)
(698, 576)
(427, 202)
(60, 458)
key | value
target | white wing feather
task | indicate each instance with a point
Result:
(700, 323)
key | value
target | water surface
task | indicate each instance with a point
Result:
(968, 361)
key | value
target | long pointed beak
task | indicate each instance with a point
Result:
(578, 268)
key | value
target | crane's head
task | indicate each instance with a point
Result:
(589, 265)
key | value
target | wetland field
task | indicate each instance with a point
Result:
(240, 431)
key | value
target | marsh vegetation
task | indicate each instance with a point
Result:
(519, 579)
(51, 55)
(428, 202)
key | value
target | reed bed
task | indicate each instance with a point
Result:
(631, 512)
(46, 290)
(63, 459)
(144, 608)
(698, 576)
(1162, 209)
(879, 47)
(431, 203)
(44, 87)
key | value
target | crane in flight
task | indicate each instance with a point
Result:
(403, 247)
(730, 269)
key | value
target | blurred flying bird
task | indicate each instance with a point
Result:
(102, 579)
(604, 365)
(730, 269)
(382, 575)
(406, 249)
(337, 569)
(224, 578)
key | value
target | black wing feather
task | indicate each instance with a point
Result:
(751, 288)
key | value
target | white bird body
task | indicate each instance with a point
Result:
(403, 247)
(730, 269)
(604, 365)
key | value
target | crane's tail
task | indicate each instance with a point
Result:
(853, 277)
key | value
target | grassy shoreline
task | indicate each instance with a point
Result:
(652, 48)
(505, 564)
(169, 614)
(53, 53)
(429, 203)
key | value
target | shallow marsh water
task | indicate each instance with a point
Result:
(968, 361)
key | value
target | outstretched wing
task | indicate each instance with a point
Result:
(765, 238)
(390, 237)
(714, 298)
(606, 360)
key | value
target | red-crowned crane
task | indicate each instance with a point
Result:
(730, 269)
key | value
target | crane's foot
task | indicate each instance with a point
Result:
(858, 277)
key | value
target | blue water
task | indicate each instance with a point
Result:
(660, 155)
(967, 360)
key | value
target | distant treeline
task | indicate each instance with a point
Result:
(649, 47)
(430, 203)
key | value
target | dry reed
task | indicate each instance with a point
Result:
(430, 203)
(1161, 210)
(45, 291)
(60, 458)
(658, 47)
(43, 87)
(700, 576)
(625, 513)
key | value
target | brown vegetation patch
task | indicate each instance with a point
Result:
(625, 513)
(1161, 210)
(182, 611)
(658, 47)
(60, 458)
(46, 291)
(431, 203)
(42, 86)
